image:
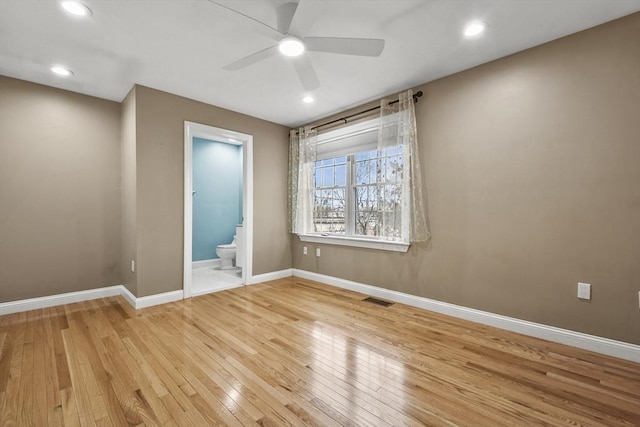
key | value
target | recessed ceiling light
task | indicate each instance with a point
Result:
(474, 28)
(308, 99)
(61, 71)
(291, 46)
(76, 8)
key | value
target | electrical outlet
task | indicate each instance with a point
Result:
(304, 250)
(317, 252)
(133, 266)
(584, 291)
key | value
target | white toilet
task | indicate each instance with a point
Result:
(227, 254)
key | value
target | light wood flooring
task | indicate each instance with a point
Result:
(295, 352)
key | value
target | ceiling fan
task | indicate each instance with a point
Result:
(292, 23)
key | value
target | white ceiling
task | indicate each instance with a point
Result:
(180, 46)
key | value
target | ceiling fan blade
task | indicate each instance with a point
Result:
(306, 73)
(305, 16)
(259, 26)
(285, 14)
(252, 59)
(345, 46)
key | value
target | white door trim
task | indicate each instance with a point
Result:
(192, 130)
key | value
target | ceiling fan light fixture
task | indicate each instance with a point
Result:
(291, 46)
(474, 29)
(76, 8)
(308, 99)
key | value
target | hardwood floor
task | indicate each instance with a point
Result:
(295, 352)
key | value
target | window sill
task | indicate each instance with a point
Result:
(356, 242)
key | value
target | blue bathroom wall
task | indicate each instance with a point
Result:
(217, 203)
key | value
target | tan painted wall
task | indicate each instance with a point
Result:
(160, 171)
(532, 169)
(128, 244)
(59, 191)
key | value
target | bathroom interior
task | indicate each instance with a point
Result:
(217, 216)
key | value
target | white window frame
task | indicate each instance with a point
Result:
(350, 239)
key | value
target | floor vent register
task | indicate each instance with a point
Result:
(378, 301)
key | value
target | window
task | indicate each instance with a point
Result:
(351, 194)
(357, 192)
(330, 195)
(359, 185)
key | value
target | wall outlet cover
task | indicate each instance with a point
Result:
(317, 252)
(304, 250)
(584, 291)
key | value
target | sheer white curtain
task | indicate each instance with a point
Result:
(302, 156)
(400, 204)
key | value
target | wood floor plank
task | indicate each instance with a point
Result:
(299, 353)
(11, 383)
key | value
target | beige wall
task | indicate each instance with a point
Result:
(160, 183)
(59, 191)
(128, 244)
(89, 185)
(532, 169)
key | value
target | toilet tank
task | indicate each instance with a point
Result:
(239, 246)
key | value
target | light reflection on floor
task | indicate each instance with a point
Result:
(336, 356)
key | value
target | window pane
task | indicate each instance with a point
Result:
(362, 156)
(362, 173)
(367, 223)
(361, 202)
(392, 166)
(393, 224)
(373, 197)
(317, 178)
(327, 162)
(392, 197)
(327, 177)
(341, 160)
(341, 175)
(382, 165)
(372, 165)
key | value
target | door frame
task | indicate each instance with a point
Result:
(198, 130)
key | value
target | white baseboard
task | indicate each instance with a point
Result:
(593, 343)
(274, 275)
(71, 297)
(157, 299)
(60, 299)
(151, 300)
(126, 294)
(213, 262)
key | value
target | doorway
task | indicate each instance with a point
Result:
(209, 270)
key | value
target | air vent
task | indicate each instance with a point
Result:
(378, 301)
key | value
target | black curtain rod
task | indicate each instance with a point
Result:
(350, 116)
